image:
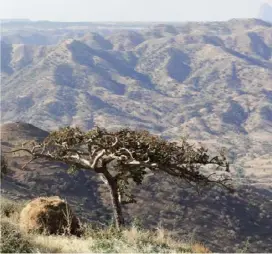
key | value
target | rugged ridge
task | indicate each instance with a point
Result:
(209, 80)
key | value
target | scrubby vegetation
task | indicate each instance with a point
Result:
(131, 239)
(12, 240)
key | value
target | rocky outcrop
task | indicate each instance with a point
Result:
(50, 215)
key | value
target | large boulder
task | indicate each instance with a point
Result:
(50, 215)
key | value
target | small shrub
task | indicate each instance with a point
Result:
(12, 240)
(103, 245)
(10, 208)
(99, 233)
(137, 223)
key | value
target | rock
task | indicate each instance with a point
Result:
(50, 215)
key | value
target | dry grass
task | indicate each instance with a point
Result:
(130, 240)
(12, 240)
(60, 244)
(199, 248)
(10, 209)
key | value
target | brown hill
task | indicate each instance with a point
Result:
(21, 131)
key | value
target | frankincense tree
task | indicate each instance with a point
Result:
(125, 156)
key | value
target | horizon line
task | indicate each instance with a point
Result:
(21, 20)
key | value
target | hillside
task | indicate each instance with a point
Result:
(211, 81)
(223, 222)
(93, 240)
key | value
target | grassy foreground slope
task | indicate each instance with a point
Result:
(130, 240)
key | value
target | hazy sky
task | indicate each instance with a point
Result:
(129, 10)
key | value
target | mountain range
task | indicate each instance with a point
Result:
(210, 81)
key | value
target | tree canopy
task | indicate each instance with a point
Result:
(128, 155)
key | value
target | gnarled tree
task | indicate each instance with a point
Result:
(126, 156)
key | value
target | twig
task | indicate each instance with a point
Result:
(32, 159)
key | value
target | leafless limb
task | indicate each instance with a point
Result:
(32, 159)
(126, 150)
(94, 164)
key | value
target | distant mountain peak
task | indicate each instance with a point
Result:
(266, 12)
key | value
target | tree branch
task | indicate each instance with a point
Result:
(94, 164)
(129, 153)
(20, 149)
(32, 159)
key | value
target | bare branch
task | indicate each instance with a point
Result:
(95, 151)
(129, 153)
(77, 152)
(115, 142)
(20, 149)
(148, 160)
(32, 159)
(94, 164)
(43, 149)
(82, 161)
(35, 147)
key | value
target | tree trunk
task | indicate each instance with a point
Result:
(116, 203)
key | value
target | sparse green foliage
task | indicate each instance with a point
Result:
(126, 156)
